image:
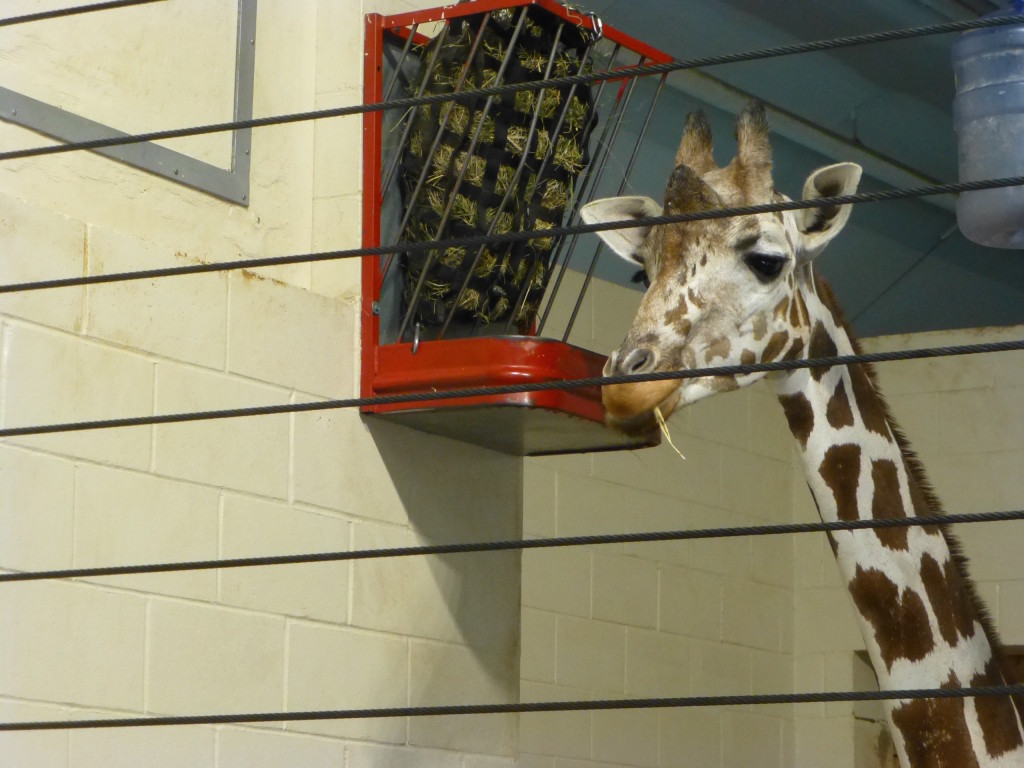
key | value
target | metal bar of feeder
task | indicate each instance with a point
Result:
(524, 292)
(590, 178)
(429, 261)
(445, 117)
(531, 133)
(390, 89)
(389, 174)
(622, 188)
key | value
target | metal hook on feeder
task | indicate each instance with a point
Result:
(416, 338)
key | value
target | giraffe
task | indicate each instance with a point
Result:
(743, 290)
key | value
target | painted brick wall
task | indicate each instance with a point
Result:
(376, 633)
(664, 619)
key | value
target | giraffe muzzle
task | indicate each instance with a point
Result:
(630, 407)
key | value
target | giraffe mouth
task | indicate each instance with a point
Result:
(629, 408)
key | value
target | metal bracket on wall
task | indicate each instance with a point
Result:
(229, 184)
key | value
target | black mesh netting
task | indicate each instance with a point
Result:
(505, 279)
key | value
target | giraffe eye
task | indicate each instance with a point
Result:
(641, 276)
(765, 265)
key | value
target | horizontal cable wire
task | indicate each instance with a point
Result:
(533, 706)
(521, 236)
(507, 389)
(521, 544)
(72, 11)
(512, 88)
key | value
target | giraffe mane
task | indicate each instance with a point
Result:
(915, 469)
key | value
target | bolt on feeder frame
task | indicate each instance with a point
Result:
(438, 319)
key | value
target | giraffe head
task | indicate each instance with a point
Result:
(722, 291)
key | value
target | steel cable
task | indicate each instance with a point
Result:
(507, 389)
(515, 237)
(513, 88)
(72, 11)
(517, 708)
(520, 544)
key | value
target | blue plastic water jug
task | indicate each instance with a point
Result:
(988, 115)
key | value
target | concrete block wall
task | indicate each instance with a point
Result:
(661, 619)
(343, 635)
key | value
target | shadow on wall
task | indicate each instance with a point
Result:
(454, 492)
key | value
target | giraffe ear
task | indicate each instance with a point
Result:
(625, 242)
(819, 225)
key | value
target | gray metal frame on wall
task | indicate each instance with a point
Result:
(229, 184)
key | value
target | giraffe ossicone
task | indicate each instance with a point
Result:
(744, 290)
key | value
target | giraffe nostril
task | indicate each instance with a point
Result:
(639, 360)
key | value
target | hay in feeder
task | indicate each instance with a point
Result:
(435, 290)
(543, 144)
(458, 117)
(435, 199)
(555, 195)
(440, 163)
(568, 155)
(474, 170)
(542, 243)
(470, 300)
(498, 164)
(485, 264)
(486, 132)
(549, 103)
(495, 48)
(502, 224)
(504, 178)
(535, 61)
(515, 139)
(464, 210)
(524, 101)
(576, 115)
(453, 256)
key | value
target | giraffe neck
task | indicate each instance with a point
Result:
(916, 611)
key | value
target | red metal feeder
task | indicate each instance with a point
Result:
(402, 356)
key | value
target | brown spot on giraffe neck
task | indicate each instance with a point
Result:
(821, 345)
(951, 604)
(781, 309)
(935, 731)
(760, 327)
(747, 357)
(796, 310)
(838, 412)
(795, 350)
(886, 502)
(996, 714)
(899, 620)
(840, 469)
(872, 411)
(775, 345)
(800, 416)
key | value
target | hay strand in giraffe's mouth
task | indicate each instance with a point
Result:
(663, 425)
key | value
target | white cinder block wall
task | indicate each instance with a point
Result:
(729, 616)
(661, 619)
(376, 633)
